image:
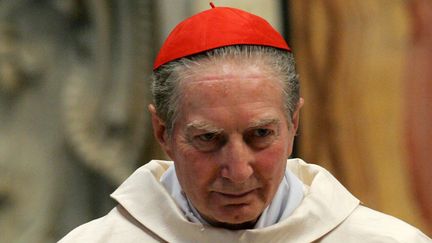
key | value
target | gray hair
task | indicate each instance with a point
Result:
(166, 79)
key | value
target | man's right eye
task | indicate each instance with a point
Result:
(208, 142)
(207, 137)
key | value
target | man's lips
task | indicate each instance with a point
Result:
(235, 195)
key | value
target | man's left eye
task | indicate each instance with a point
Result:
(262, 132)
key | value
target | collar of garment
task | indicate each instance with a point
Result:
(287, 198)
(148, 205)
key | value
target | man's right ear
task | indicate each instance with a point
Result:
(159, 129)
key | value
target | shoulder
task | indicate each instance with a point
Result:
(368, 225)
(117, 226)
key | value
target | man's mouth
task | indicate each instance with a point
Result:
(236, 195)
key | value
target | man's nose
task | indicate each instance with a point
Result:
(236, 162)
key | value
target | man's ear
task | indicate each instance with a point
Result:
(159, 130)
(296, 115)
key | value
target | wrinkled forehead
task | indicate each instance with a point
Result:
(228, 83)
(246, 66)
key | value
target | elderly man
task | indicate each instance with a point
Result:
(226, 111)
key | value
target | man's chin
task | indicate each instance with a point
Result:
(233, 223)
(234, 216)
(240, 226)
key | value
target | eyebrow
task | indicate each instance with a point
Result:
(201, 125)
(205, 126)
(264, 122)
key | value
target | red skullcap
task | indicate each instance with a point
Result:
(217, 27)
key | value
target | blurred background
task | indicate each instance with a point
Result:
(74, 87)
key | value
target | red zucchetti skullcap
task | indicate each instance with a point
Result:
(217, 27)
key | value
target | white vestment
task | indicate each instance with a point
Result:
(328, 213)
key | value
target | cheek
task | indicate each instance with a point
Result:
(271, 162)
(195, 170)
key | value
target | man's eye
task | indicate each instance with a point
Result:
(207, 137)
(260, 138)
(262, 132)
(208, 142)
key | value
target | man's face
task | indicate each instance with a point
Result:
(230, 141)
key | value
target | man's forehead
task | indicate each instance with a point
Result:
(207, 74)
(218, 66)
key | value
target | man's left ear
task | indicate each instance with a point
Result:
(296, 115)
